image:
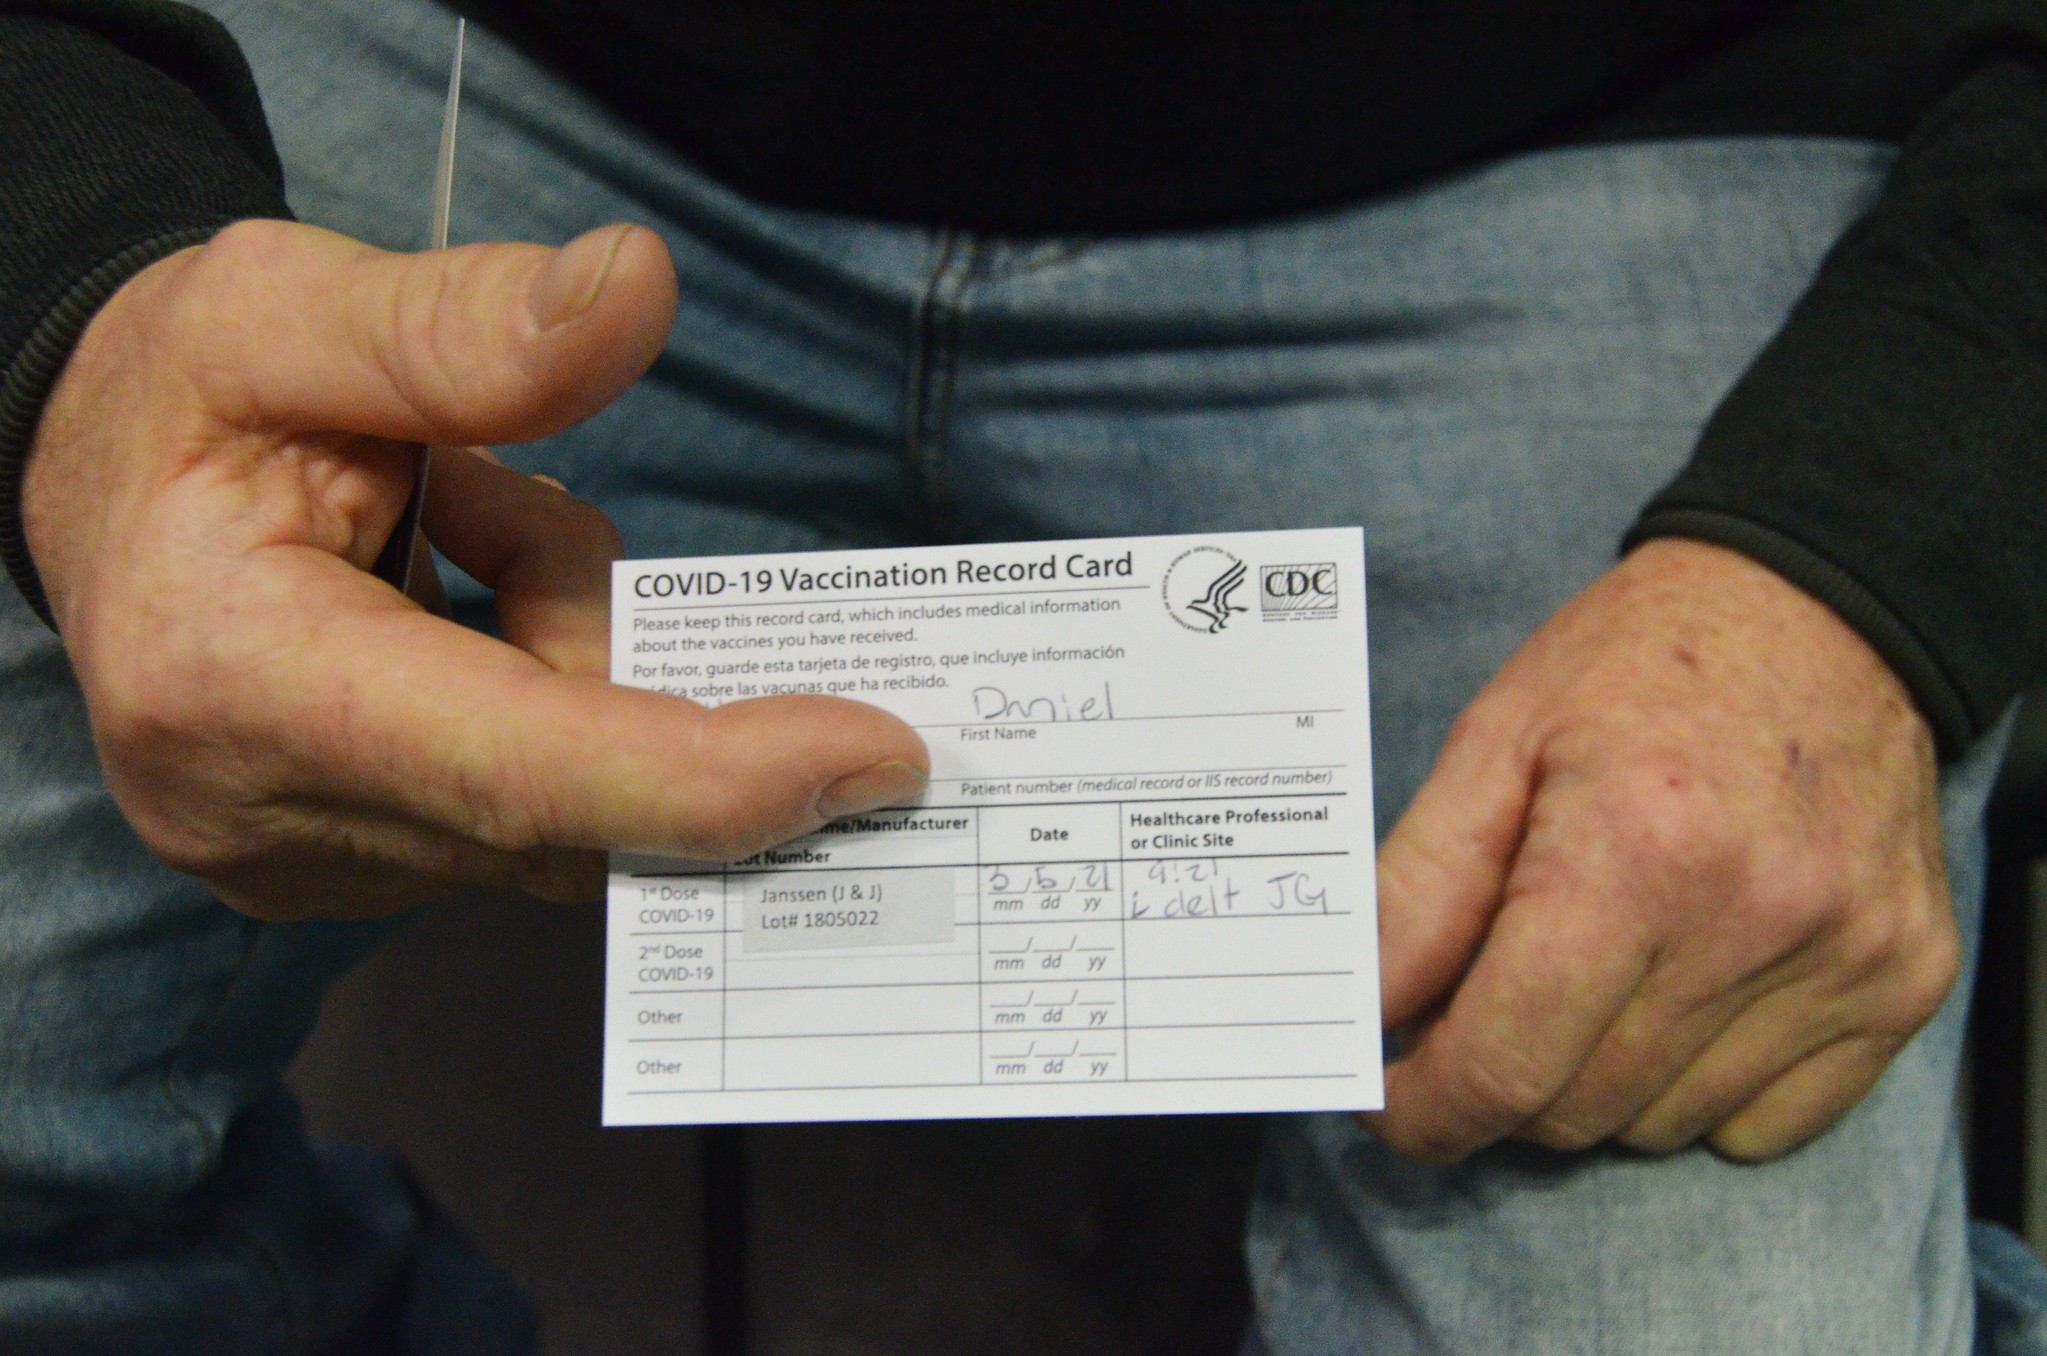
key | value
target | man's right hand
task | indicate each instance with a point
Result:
(219, 463)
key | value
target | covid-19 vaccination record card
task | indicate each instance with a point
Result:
(1141, 879)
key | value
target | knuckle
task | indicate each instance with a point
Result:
(1500, 1089)
(1562, 1133)
(257, 906)
(237, 257)
(252, 240)
(241, 249)
(1742, 1141)
(1479, 724)
(595, 525)
(728, 812)
(1927, 976)
(1412, 865)
(187, 848)
(1868, 937)
(1795, 902)
(419, 352)
(129, 714)
(723, 826)
(1659, 1139)
(188, 317)
(219, 846)
(508, 809)
(578, 531)
(1664, 814)
(440, 336)
(170, 728)
(505, 829)
(1871, 937)
(561, 877)
(492, 792)
(148, 712)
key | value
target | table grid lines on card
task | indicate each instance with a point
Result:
(1044, 914)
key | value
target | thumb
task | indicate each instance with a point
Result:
(1442, 868)
(289, 327)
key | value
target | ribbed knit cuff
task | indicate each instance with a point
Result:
(1908, 655)
(27, 380)
(130, 130)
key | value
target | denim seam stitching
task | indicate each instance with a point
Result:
(936, 320)
(920, 360)
(953, 320)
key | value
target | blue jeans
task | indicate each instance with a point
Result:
(1490, 374)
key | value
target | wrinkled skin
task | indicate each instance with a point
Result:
(1676, 875)
(220, 461)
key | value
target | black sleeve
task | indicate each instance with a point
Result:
(128, 130)
(1888, 450)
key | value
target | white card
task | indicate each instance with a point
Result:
(1140, 881)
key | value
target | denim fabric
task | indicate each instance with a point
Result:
(1489, 374)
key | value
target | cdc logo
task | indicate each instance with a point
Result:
(1297, 592)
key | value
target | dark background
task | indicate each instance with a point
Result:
(471, 1042)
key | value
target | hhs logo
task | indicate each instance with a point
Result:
(1201, 588)
(1297, 592)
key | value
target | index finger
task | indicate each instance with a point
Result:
(1557, 967)
(390, 709)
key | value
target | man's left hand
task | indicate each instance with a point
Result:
(1676, 875)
